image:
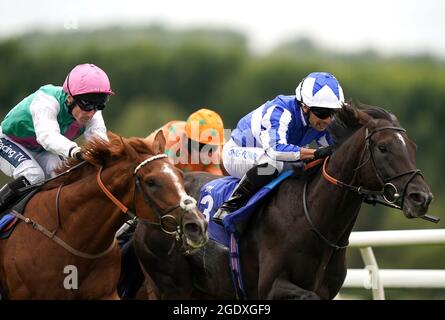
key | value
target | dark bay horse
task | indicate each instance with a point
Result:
(294, 247)
(80, 213)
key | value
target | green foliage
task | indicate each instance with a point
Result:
(143, 117)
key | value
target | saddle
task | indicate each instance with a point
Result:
(8, 222)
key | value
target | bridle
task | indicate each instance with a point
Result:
(385, 183)
(161, 214)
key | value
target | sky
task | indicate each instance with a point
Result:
(388, 26)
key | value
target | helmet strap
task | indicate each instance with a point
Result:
(301, 91)
(70, 105)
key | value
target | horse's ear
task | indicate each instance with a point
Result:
(366, 120)
(129, 150)
(158, 145)
(362, 117)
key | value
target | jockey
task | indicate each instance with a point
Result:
(195, 144)
(276, 136)
(38, 133)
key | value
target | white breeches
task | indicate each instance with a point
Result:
(238, 160)
(16, 161)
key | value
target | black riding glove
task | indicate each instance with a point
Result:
(322, 152)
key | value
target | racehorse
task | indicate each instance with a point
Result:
(294, 246)
(69, 226)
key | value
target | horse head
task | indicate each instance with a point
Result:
(161, 185)
(140, 178)
(387, 165)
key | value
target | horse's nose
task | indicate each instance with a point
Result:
(188, 201)
(421, 199)
(191, 228)
(195, 232)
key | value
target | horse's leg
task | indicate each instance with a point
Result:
(334, 276)
(132, 278)
(170, 272)
(283, 289)
(151, 292)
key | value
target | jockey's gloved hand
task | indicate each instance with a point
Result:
(322, 152)
(76, 153)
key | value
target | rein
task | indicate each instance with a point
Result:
(306, 213)
(59, 241)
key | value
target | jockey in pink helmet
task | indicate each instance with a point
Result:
(40, 130)
(87, 78)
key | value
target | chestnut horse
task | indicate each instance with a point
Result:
(294, 246)
(69, 226)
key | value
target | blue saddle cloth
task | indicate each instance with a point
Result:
(214, 193)
(5, 220)
(7, 225)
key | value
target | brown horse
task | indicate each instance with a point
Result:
(294, 245)
(83, 209)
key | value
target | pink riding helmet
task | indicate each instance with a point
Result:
(87, 78)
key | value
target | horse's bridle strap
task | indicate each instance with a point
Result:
(60, 242)
(359, 190)
(119, 204)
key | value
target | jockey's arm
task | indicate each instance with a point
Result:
(44, 110)
(274, 138)
(306, 154)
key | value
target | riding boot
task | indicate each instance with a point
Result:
(250, 183)
(11, 192)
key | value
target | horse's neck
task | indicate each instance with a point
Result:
(340, 206)
(96, 218)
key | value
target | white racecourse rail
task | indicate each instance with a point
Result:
(371, 277)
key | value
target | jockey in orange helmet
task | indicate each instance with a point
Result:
(195, 144)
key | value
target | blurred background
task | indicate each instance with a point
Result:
(166, 59)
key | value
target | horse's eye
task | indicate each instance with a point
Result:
(150, 183)
(383, 148)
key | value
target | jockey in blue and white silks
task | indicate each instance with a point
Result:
(278, 134)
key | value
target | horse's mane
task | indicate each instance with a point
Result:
(97, 152)
(350, 118)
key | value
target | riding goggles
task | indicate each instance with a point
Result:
(89, 106)
(322, 113)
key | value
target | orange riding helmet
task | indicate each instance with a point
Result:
(205, 126)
